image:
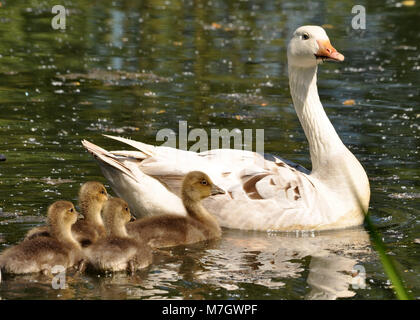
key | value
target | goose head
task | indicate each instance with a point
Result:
(197, 185)
(310, 46)
(92, 196)
(116, 214)
(62, 215)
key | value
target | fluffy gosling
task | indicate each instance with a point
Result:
(42, 253)
(92, 196)
(172, 230)
(117, 251)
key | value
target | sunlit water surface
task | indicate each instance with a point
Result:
(134, 67)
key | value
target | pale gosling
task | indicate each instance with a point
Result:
(92, 196)
(172, 230)
(117, 251)
(42, 253)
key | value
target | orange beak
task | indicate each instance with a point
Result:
(327, 51)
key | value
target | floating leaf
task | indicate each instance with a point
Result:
(349, 102)
(85, 103)
(408, 3)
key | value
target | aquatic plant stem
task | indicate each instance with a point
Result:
(387, 262)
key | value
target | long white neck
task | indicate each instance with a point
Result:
(322, 137)
(332, 163)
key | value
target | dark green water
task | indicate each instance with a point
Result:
(134, 67)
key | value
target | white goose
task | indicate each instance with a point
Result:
(261, 194)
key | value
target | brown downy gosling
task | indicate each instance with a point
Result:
(117, 251)
(92, 196)
(172, 230)
(42, 253)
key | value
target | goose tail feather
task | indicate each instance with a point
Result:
(105, 157)
(143, 147)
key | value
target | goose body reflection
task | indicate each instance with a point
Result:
(325, 264)
(272, 260)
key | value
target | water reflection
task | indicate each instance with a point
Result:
(270, 259)
(239, 260)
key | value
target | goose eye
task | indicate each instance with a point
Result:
(71, 210)
(103, 192)
(204, 182)
(305, 36)
(126, 208)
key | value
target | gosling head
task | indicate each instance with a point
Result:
(92, 195)
(197, 185)
(310, 46)
(62, 214)
(116, 214)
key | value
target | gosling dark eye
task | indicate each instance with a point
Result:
(71, 210)
(305, 36)
(204, 182)
(103, 192)
(126, 209)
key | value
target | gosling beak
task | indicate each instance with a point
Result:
(216, 190)
(133, 218)
(327, 51)
(80, 216)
